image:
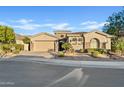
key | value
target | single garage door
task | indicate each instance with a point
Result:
(43, 46)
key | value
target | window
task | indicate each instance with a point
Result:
(74, 39)
(79, 39)
(62, 35)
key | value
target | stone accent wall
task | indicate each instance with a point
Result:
(87, 45)
(102, 39)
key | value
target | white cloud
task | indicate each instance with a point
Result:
(63, 26)
(28, 26)
(60, 26)
(24, 21)
(48, 25)
(89, 25)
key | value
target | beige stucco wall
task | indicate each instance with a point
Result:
(59, 35)
(102, 39)
(76, 45)
(108, 46)
(26, 47)
(19, 42)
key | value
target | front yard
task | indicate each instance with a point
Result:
(88, 57)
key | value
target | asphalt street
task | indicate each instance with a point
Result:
(31, 74)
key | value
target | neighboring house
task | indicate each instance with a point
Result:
(19, 40)
(79, 40)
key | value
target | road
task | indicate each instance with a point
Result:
(31, 74)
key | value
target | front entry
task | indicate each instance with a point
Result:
(94, 43)
(60, 45)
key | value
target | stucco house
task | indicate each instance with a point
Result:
(79, 40)
(19, 40)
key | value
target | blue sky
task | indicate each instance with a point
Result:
(36, 19)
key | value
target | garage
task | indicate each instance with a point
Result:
(44, 42)
(44, 46)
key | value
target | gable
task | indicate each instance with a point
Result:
(95, 35)
(101, 37)
(43, 37)
(101, 33)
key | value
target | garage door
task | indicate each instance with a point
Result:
(43, 46)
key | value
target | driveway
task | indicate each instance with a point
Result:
(36, 54)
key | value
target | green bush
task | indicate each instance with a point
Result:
(81, 50)
(95, 54)
(61, 54)
(15, 48)
(90, 50)
(19, 47)
(102, 51)
(118, 44)
(5, 47)
(16, 51)
(67, 46)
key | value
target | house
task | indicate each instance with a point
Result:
(19, 40)
(79, 40)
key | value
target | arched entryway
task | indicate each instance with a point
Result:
(94, 43)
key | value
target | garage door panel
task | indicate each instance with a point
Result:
(43, 46)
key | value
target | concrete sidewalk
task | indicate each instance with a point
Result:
(80, 64)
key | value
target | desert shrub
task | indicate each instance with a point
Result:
(67, 46)
(19, 47)
(5, 47)
(16, 51)
(95, 54)
(61, 54)
(102, 51)
(81, 50)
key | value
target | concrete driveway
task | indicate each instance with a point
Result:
(36, 54)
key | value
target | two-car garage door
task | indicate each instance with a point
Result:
(43, 46)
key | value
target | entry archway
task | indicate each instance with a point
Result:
(94, 43)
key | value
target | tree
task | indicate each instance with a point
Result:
(67, 46)
(115, 23)
(26, 40)
(7, 34)
(119, 45)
